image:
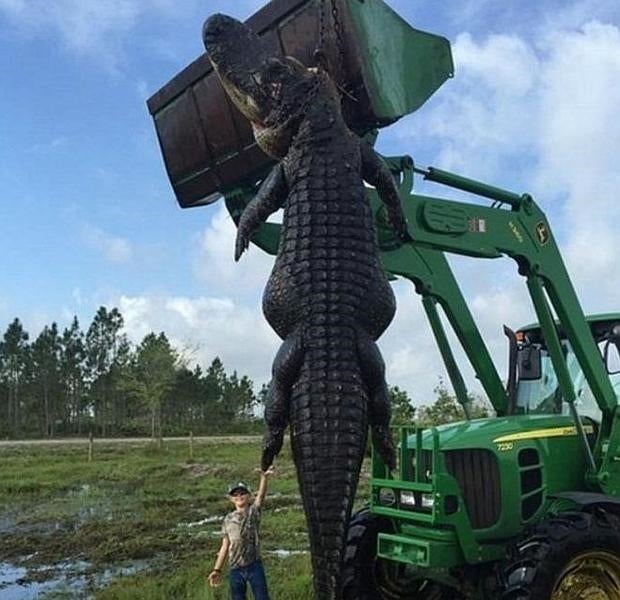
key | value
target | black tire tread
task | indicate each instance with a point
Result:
(357, 567)
(537, 560)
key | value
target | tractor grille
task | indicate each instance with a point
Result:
(477, 474)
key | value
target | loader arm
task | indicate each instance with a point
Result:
(516, 227)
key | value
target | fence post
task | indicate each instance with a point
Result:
(90, 446)
(191, 445)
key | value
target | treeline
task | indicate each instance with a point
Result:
(445, 408)
(75, 381)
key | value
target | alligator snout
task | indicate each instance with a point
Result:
(216, 26)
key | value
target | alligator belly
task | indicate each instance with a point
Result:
(282, 303)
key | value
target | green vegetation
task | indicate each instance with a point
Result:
(445, 409)
(141, 520)
(73, 382)
(138, 503)
(149, 509)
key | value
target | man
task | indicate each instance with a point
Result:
(240, 542)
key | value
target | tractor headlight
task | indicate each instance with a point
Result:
(428, 501)
(387, 497)
(407, 499)
(424, 501)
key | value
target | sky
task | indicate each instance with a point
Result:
(89, 218)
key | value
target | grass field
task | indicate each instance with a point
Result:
(139, 521)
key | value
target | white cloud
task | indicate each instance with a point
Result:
(208, 327)
(579, 145)
(572, 15)
(83, 26)
(214, 263)
(412, 359)
(481, 118)
(101, 29)
(114, 249)
(535, 114)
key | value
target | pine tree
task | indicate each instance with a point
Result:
(45, 355)
(72, 376)
(102, 341)
(155, 376)
(14, 350)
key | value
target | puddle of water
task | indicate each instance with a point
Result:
(77, 506)
(15, 584)
(72, 579)
(205, 521)
(7, 522)
(285, 508)
(282, 553)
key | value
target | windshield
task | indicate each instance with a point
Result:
(542, 394)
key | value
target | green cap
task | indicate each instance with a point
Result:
(239, 486)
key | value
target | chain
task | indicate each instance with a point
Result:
(339, 37)
(319, 53)
(321, 42)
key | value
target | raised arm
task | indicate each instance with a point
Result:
(376, 173)
(262, 487)
(269, 198)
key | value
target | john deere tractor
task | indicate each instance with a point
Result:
(524, 505)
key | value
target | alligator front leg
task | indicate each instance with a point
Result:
(379, 413)
(376, 173)
(269, 198)
(285, 372)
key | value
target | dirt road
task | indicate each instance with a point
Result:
(214, 439)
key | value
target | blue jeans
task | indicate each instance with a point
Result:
(254, 574)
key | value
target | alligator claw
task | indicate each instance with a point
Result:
(272, 444)
(241, 245)
(382, 440)
(399, 223)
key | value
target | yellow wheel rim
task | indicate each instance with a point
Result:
(591, 575)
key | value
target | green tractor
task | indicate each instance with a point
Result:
(524, 505)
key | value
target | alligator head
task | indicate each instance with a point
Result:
(271, 92)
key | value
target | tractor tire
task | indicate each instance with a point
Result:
(573, 556)
(366, 577)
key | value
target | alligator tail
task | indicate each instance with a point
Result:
(329, 424)
(328, 384)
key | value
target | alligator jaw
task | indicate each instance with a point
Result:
(270, 91)
(238, 55)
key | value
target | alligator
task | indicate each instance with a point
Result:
(328, 297)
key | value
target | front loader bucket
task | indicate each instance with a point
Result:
(388, 68)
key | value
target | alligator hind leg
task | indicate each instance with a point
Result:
(285, 371)
(373, 374)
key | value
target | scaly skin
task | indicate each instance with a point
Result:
(327, 297)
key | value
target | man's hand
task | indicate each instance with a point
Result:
(262, 486)
(215, 579)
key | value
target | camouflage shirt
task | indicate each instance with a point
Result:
(241, 528)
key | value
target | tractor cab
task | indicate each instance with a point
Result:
(537, 390)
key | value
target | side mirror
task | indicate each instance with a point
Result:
(611, 356)
(529, 363)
